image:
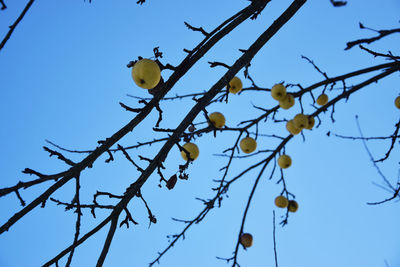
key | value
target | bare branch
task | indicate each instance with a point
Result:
(382, 34)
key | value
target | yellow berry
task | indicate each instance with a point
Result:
(322, 100)
(217, 119)
(146, 73)
(284, 161)
(300, 121)
(192, 149)
(292, 128)
(397, 102)
(246, 240)
(278, 92)
(293, 206)
(248, 145)
(235, 85)
(281, 202)
(287, 102)
(311, 122)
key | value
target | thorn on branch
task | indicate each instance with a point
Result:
(20, 198)
(3, 5)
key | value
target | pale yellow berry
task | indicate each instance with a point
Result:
(284, 161)
(278, 92)
(192, 149)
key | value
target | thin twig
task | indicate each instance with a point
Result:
(273, 233)
(14, 25)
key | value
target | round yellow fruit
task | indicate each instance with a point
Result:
(311, 122)
(284, 161)
(248, 145)
(192, 149)
(397, 102)
(146, 73)
(278, 92)
(287, 102)
(300, 121)
(217, 119)
(293, 206)
(322, 100)
(246, 240)
(292, 128)
(281, 202)
(235, 85)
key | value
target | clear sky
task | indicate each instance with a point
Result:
(63, 73)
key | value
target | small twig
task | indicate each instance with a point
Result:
(159, 115)
(315, 66)
(377, 54)
(396, 193)
(129, 158)
(20, 198)
(190, 27)
(394, 138)
(382, 33)
(98, 193)
(372, 158)
(69, 206)
(78, 220)
(152, 218)
(128, 218)
(110, 157)
(129, 108)
(214, 64)
(59, 156)
(366, 138)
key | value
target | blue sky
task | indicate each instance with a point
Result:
(63, 73)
